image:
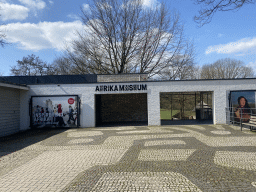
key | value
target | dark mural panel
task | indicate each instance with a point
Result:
(53, 111)
(114, 108)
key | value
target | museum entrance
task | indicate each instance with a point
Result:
(186, 108)
(121, 109)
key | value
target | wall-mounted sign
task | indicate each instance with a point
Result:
(242, 105)
(71, 101)
(52, 111)
(113, 88)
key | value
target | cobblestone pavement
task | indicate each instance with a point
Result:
(164, 158)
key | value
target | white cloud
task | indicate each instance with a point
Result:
(13, 12)
(34, 4)
(240, 55)
(150, 3)
(252, 65)
(51, 2)
(44, 35)
(233, 47)
(86, 7)
(73, 16)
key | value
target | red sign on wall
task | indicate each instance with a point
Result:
(71, 100)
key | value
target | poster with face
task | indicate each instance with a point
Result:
(242, 105)
(52, 111)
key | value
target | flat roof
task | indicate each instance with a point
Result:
(83, 79)
(50, 79)
(13, 85)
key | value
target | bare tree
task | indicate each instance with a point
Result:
(183, 68)
(2, 40)
(61, 66)
(189, 72)
(210, 7)
(125, 37)
(31, 65)
(226, 69)
(64, 65)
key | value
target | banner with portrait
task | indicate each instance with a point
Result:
(242, 105)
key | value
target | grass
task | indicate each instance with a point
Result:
(166, 114)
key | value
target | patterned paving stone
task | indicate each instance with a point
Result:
(84, 133)
(244, 130)
(164, 142)
(162, 158)
(116, 128)
(71, 130)
(197, 127)
(60, 167)
(144, 181)
(236, 159)
(143, 132)
(221, 141)
(219, 127)
(165, 154)
(221, 132)
(149, 130)
(78, 141)
(11, 160)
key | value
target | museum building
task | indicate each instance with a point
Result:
(92, 100)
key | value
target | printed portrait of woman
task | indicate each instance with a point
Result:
(243, 111)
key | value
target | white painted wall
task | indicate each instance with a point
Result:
(220, 89)
(86, 92)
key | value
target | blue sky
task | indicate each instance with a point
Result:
(45, 27)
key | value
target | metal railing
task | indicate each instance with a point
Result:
(238, 116)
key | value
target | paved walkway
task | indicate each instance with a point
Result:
(166, 158)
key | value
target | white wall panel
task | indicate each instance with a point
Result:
(219, 88)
